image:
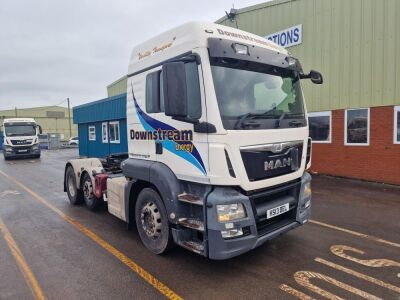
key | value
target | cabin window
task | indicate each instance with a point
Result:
(114, 132)
(155, 91)
(92, 133)
(104, 132)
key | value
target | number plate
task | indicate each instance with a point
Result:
(276, 211)
(22, 151)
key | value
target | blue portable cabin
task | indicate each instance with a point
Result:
(102, 127)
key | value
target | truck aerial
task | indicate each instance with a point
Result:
(218, 144)
(21, 138)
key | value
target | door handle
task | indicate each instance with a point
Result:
(159, 148)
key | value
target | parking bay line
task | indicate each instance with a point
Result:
(162, 288)
(358, 275)
(21, 262)
(366, 236)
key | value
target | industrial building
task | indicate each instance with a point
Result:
(355, 119)
(355, 115)
(52, 119)
(102, 126)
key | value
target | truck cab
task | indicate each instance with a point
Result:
(218, 142)
(21, 138)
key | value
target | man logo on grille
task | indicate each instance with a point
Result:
(277, 163)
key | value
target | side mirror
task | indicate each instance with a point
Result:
(174, 86)
(315, 76)
(40, 128)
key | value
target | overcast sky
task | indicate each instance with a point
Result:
(51, 50)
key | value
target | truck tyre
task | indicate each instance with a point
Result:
(90, 199)
(152, 221)
(74, 195)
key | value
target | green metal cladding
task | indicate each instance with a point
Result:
(355, 44)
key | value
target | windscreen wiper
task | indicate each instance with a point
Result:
(239, 124)
(278, 122)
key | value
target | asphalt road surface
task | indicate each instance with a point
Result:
(50, 249)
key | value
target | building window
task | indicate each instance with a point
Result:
(114, 132)
(357, 127)
(320, 125)
(104, 132)
(92, 133)
(396, 125)
(155, 91)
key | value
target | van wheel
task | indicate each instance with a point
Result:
(74, 195)
(87, 188)
(152, 221)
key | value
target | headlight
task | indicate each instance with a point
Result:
(35, 147)
(229, 212)
(8, 148)
(307, 190)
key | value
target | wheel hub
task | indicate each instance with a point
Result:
(87, 189)
(71, 186)
(151, 220)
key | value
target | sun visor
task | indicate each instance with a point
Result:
(237, 50)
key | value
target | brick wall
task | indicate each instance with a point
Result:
(380, 161)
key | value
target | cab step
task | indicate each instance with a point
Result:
(191, 223)
(193, 246)
(189, 198)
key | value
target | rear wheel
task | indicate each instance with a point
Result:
(91, 201)
(74, 195)
(152, 221)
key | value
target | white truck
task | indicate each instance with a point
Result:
(218, 144)
(21, 138)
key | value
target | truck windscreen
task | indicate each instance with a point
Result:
(19, 130)
(257, 96)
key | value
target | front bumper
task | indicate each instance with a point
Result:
(257, 229)
(25, 151)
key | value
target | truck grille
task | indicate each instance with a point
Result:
(262, 162)
(274, 197)
(21, 142)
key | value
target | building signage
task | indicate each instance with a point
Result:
(288, 37)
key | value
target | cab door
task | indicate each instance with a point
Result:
(178, 142)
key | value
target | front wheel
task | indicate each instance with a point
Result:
(152, 221)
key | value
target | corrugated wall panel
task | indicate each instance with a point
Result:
(355, 44)
(117, 88)
(112, 108)
(397, 48)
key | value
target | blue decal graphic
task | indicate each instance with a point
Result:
(152, 126)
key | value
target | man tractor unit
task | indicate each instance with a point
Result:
(218, 144)
(21, 138)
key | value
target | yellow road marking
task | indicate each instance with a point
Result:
(303, 278)
(294, 292)
(22, 264)
(366, 236)
(374, 263)
(359, 275)
(162, 288)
